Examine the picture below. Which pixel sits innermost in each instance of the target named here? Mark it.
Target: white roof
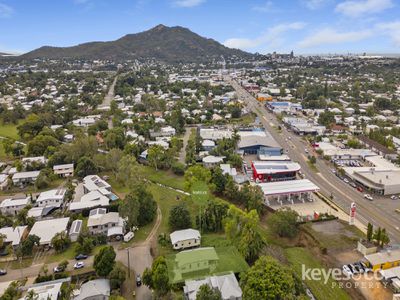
(89, 200)
(273, 167)
(213, 159)
(56, 194)
(62, 167)
(48, 290)
(13, 235)
(288, 187)
(102, 219)
(76, 227)
(183, 235)
(94, 182)
(23, 175)
(47, 229)
(93, 288)
(15, 202)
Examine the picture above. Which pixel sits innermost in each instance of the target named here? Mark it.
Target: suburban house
(93, 199)
(98, 289)
(64, 170)
(212, 161)
(48, 290)
(199, 259)
(13, 206)
(109, 224)
(12, 235)
(22, 178)
(3, 181)
(227, 285)
(47, 229)
(187, 238)
(51, 198)
(75, 230)
(40, 160)
(93, 183)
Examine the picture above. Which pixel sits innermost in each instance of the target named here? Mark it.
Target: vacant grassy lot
(301, 256)
(9, 130)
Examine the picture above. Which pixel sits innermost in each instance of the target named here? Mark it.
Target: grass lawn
(167, 178)
(9, 130)
(59, 257)
(299, 256)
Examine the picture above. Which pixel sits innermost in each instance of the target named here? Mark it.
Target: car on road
(333, 171)
(353, 185)
(138, 280)
(79, 265)
(289, 137)
(360, 189)
(394, 197)
(3, 272)
(368, 197)
(306, 151)
(81, 256)
(346, 180)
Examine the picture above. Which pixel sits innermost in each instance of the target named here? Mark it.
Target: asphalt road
(330, 184)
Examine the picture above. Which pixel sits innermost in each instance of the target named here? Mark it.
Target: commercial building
(252, 141)
(47, 229)
(278, 107)
(186, 238)
(267, 171)
(288, 191)
(379, 181)
(383, 260)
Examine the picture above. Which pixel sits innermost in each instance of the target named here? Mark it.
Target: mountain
(167, 44)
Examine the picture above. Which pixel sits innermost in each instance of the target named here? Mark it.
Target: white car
(346, 180)
(347, 271)
(305, 150)
(368, 197)
(394, 197)
(79, 265)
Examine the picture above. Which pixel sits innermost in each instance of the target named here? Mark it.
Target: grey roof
(90, 289)
(183, 235)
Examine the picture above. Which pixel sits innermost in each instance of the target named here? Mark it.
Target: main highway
(330, 185)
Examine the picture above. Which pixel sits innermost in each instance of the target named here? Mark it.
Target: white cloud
(272, 38)
(392, 29)
(331, 36)
(188, 3)
(357, 8)
(265, 7)
(314, 4)
(5, 11)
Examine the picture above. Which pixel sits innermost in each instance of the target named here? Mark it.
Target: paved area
(343, 194)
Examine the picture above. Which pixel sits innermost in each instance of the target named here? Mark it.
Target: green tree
(196, 173)
(268, 280)
(117, 277)
(205, 292)
(157, 278)
(28, 244)
(370, 231)
(104, 261)
(61, 241)
(284, 222)
(326, 119)
(179, 217)
(85, 167)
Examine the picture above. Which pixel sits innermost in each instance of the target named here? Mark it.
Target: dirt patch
(372, 289)
(333, 227)
(346, 257)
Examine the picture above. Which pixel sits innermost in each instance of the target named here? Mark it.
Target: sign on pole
(352, 213)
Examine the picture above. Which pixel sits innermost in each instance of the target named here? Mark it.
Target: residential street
(343, 194)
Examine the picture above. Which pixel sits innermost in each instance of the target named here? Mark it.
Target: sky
(264, 26)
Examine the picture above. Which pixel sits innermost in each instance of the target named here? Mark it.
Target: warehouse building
(267, 171)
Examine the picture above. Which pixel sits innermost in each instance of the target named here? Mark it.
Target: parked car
(360, 267)
(347, 271)
(3, 272)
(368, 197)
(306, 151)
(360, 189)
(138, 280)
(58, 269)
(353, 269)
(394, 197)
(81, 256)
(346, 180)
(367, 269)
(353, 185)
(79, 265)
